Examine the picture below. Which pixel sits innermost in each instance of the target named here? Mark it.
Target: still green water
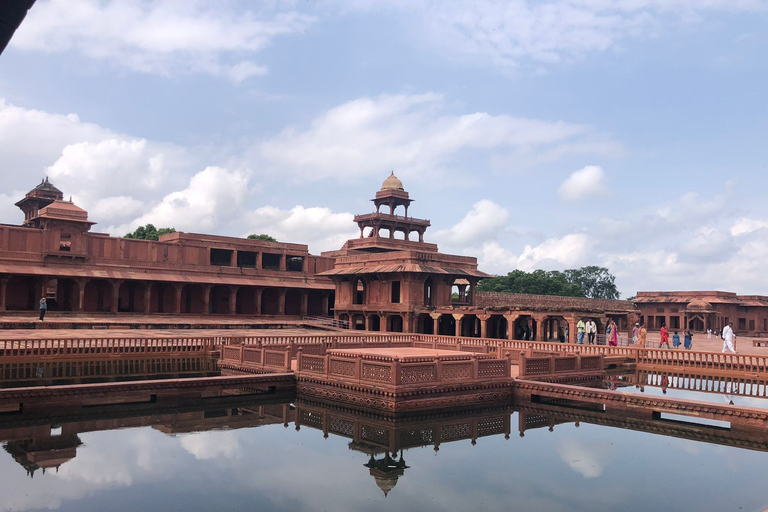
(248, 464)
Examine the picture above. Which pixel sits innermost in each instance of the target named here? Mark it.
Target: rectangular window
(765, 325)
(674, 322)
(751, 325)
(65, 242)
(221, 257)
(674, 310)
(270, 261)
(294, 264)
(395, 292)
(246, 259)
(659, 310)
(742, 324)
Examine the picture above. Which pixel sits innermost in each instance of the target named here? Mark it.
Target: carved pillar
(283, 260)
(3, 292)
(435, 323)
(457, 320)
(281, 301)
(178, 288)
(326, 299)
(539, 327)
(115, 295)
(484, 325)
(304, 302)
(207, 299)
(511, 319)
(147, 297)
(81, 293)
(233, 299)
(257, 299)
(259, 260)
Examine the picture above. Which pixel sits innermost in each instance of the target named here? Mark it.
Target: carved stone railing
(255, 358)
(668, 359)
(539, 365)
(101, 347)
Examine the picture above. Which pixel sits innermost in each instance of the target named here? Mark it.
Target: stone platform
(399, 379)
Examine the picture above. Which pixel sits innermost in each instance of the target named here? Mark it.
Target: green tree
(539, 282)
(596, 282)
(149, 232)
(262, 237)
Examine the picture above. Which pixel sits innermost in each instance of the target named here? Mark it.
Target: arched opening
(497, 327)
(374, 323)
(395, 323)
(358, 322)
(470, 326)
(21, 294)
(162, 298)
(358, 291)
(696, 323)
(219, 300)
(192, 300)
(315, 303)
(446, 325)
(269, 301)
(425, 324)
(460, 291)
(293, 302)
(130, 296)
(400, 234)
(429, 291)
(98, 296)
(525, 328)
(246, 301)
(67, 294)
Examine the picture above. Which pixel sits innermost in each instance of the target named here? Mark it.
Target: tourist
(580, 330)
(43, 308)
(635, 332)
(664, 379)
(527, 335)
(642, 334)
(709, 333)
(613, 340)
(664, 336)
(688, 341)
(591, 330)
(567, 334)
(676, 340)
(729, 338)
(607, 334)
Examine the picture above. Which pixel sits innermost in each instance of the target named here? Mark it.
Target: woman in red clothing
(664, 336)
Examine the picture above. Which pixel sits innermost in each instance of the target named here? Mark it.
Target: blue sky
(629, 134)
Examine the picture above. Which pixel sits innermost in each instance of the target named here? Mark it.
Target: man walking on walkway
(43, 308)
(591, 330)
(729, 338)
(580, 328)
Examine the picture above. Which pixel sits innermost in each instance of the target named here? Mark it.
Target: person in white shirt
(728, 338)
(591, 329)
(709, 333)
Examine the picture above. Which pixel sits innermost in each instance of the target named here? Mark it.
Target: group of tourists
(687, 338)
(588, 327)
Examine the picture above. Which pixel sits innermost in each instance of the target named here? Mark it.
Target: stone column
(304, 302)
(484, 325)
(115, 295)
(178, 288)
(283, 260)
(511, 319)
(207, 299)
(257, 299)
(81, 293)
(457, 320)
(326, 299)
(232, 299)
(259, 259)
(281, 301)
(3, 292)
(435, 322)
(539, 327)
(148, 298)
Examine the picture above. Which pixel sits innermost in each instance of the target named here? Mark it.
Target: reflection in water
(236, 451)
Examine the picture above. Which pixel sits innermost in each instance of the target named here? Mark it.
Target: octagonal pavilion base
(401, 379)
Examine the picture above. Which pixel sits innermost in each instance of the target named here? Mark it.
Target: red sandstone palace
(387, 279)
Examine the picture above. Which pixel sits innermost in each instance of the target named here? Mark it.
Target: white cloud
(213, 444)
(512, 34)
(481, 223)
(213, 196)
(744, 226)
(164, 36)
(587, 459)
(408, 133)
(569, 251)
(584, 184)
(319, 228)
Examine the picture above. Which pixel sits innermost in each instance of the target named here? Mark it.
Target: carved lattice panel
(565, 364)
(454, 432)
(345, 368)
(537, 366)
(491, 426)
(312, 419)
(276, 411)
(457, 371)
(377, 372)
(375, 435)
(341, 427)
(487, 369)
(420, 373)
(313, 364)
(536, 421)
(252, 356)
(274, 359)
(418, 437)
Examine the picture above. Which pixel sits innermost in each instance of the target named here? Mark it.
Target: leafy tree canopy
(592, 281)
(539, 282)
(262, 237)
(149, 232)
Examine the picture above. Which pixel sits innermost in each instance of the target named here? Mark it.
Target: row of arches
(22, 293)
